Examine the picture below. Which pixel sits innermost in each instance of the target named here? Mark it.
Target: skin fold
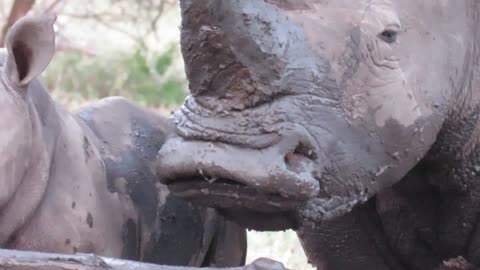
(84, 181)
(353, 122)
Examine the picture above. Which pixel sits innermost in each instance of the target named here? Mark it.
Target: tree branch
(19, 9)
(26, 260)
(71, 48)
(55, 7)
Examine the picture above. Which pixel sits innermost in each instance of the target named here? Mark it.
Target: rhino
(355, 123)
(84, 181)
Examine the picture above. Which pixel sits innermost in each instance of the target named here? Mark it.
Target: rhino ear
(30, 44)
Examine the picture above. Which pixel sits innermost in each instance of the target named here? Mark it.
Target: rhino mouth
(230, 194)
(272, 182)
(247, 206)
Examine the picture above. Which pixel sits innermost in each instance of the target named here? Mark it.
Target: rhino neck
(451, 169)
(352, 241)
(18, 210)
(466, 94)
(460, 132)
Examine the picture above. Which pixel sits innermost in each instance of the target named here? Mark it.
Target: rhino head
(301, 110)
(30, 45)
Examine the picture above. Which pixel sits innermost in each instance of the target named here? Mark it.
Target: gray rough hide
(84, 181)
(353, 122)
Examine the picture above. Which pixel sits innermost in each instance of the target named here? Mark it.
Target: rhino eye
(389, 36)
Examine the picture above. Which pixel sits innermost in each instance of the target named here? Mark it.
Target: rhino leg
(229, 245)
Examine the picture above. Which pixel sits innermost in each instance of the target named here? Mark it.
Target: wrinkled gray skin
(84, 181)
(353, 122)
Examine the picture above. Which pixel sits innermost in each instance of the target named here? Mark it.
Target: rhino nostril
(295, 159)
(305, 150)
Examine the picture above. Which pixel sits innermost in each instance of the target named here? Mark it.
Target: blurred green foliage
(142, 75)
